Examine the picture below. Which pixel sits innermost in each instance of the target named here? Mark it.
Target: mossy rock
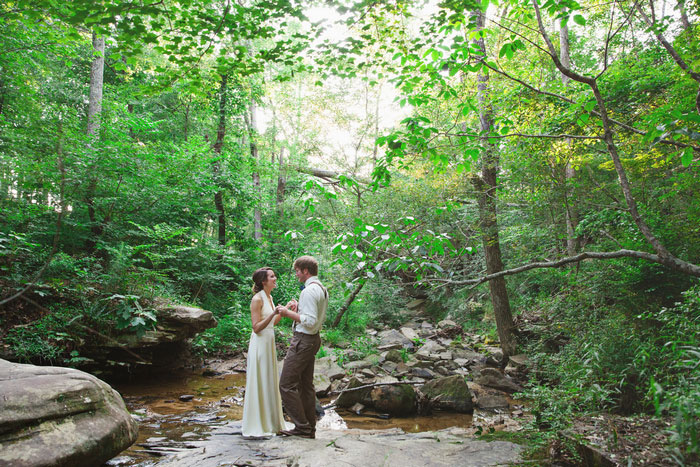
(450, 393)
(348, 399)
(398, 400)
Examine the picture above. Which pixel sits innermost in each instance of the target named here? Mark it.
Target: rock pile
(420, 366)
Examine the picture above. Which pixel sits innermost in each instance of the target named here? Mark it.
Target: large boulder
(399, 400)
(449, 393)
(53, 416)
(489, 398)
(493, 378)
(163, 348)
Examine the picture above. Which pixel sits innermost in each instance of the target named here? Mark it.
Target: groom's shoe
(295, 432)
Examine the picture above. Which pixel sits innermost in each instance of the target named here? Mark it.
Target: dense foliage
(237, 135)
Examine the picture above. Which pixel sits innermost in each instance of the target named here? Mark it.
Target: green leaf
(687, 157)
(578, 19)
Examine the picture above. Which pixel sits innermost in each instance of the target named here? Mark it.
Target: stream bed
(176, 412)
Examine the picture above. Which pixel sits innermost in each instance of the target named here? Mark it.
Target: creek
(176, 412)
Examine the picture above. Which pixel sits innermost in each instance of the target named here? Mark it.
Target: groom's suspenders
(325, 294)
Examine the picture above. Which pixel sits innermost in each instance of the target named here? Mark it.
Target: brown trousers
(297, 381)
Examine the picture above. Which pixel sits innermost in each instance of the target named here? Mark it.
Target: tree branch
(559, 263)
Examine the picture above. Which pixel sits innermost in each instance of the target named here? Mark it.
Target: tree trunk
(187, 119)
(684, 15)
(571, 214)
(252, 134)
(220, 135)
(564, 50)
(96, 84)
(487, 186)
(93, 129)
(2, 97)
(281, 185)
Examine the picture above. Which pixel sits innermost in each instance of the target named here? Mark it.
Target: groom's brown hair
(307, 262)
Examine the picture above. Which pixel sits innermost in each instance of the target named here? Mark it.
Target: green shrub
(232, 332)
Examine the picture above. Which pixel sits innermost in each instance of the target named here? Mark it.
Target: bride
(262, 406)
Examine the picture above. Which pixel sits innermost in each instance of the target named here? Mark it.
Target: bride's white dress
(262, 406)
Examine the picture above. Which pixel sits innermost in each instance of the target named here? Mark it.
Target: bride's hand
(292, 305)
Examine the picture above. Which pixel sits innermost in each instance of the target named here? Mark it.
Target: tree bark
(684, 15)
(281, 184)
(216, 166)
(94, 122)
(487, 192)
(252, 134)
(96, 85)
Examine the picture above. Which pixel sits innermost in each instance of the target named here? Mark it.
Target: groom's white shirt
(313, 303)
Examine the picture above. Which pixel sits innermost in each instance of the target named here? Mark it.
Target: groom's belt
(305, 333)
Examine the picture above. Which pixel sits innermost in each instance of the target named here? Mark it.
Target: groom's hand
(292, 305)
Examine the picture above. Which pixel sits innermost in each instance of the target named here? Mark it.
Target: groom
(296, 381)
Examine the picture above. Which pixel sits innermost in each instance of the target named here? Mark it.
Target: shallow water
(168, 424)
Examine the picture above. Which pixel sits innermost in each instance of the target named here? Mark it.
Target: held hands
(285, 310)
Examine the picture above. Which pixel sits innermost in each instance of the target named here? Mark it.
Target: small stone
(410, 333)
(394, 356)
(186, 397)
(446, 323)
(357, 408)
(423, 373)
(367, 373)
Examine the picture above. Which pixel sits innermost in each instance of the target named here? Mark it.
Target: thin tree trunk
(348, 302)
(187, 118)
(684, 15)
(487, 189)
(252, 134)
(281, 184)
(93, 129)
(2, 97)
(220, 135)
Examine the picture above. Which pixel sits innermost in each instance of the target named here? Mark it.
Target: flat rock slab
(450, 447)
